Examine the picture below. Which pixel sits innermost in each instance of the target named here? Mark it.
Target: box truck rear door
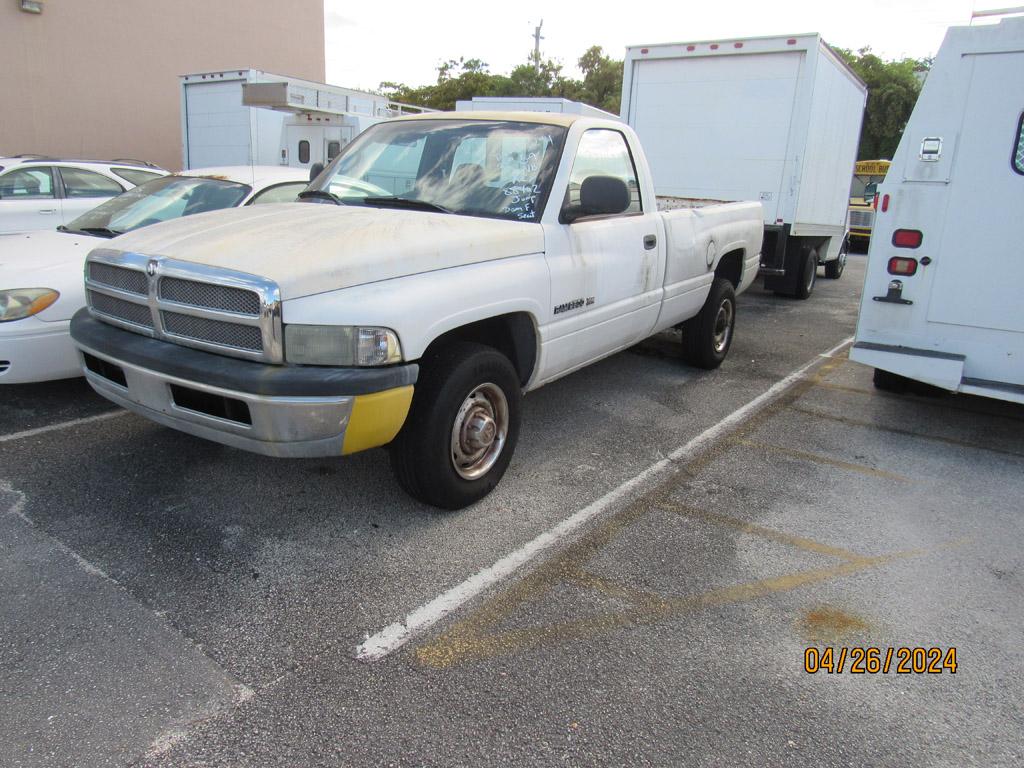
(979, 257)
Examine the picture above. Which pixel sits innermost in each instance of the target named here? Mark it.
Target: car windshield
(168, 197)
(500, 169)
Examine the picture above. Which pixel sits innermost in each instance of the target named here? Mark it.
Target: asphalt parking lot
(640, 590)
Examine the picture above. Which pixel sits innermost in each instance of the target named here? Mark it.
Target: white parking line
(62, 425)
(394, 636)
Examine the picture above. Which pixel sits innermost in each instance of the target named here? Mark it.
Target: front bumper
(32, 350)
(275, 410)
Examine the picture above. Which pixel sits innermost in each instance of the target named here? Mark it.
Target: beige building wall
(99, 78)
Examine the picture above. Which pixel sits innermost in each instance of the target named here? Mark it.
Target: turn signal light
(907, 238)
(901, 265)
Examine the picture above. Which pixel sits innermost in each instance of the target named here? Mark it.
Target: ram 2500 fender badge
(574, 304)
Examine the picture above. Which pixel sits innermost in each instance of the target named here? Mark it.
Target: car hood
(48, 259)
(309, 248)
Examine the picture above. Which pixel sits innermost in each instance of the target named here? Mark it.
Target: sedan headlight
(340, 345)
(18, 303)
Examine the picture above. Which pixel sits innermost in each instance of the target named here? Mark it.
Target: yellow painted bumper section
(376, 419)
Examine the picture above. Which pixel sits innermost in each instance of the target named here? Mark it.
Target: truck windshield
(499, 169)
(168, 197)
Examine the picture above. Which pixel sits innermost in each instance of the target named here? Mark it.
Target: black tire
(834, 269)
(423, 454)
(887, 381)
(808, 274)
(704, 344)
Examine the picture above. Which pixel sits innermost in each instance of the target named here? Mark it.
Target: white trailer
(772, 119)
(941, 301)
(531, 104)
(251, 117)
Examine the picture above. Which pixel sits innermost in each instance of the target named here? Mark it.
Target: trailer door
(718, 127)
(216, 125)
(979, 258)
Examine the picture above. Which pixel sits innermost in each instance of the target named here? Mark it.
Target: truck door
(606, 271)
(979, 256)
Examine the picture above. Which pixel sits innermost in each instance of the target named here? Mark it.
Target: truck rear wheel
(462, 427)
(834, 269)
(708, 336)
(808, 274)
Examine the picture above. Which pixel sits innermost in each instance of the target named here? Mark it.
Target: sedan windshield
(169, 197)
(494, 168)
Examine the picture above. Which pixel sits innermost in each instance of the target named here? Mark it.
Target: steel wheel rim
(723, 326)
(812, 274)
(480, 431)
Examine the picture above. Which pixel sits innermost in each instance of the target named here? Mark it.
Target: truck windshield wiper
(97, 231)
(405, 202)
(320, 194)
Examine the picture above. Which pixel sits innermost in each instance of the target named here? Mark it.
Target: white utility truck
(251, 117)
(774, 119)
(941, 301)
(530, 104)
(454, 261)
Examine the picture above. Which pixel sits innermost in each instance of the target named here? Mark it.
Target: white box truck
(252, 117)
(941, 301)
(772, 119)
(554, 104)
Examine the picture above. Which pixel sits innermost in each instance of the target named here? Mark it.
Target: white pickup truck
(454, 262)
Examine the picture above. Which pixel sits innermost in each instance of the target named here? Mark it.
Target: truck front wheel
(708, 336)
(462, 427)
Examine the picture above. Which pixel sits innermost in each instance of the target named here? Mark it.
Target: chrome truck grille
(862, 219)
(218, 310)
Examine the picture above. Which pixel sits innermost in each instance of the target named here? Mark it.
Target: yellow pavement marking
(744, 526)
(820, 459)
(905, 432)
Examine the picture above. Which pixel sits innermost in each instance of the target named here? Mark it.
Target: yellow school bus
(867, 175)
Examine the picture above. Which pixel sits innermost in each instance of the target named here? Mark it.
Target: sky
(400, 41)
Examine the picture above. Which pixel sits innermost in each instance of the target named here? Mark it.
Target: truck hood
(309, 248)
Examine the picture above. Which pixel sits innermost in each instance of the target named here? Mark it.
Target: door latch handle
(650, 241)
(47, 210)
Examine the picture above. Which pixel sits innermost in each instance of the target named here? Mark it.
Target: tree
(602, 79)
(893, 87)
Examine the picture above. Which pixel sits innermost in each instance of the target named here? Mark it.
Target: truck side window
(1018, 150)
(603, 152)
(303, 151)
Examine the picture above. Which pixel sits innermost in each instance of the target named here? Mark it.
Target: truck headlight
(341, 345)
(18, 303)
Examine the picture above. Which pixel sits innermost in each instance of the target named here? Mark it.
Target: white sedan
(41, 284)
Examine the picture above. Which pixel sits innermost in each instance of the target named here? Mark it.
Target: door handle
(47, 210)
(650, 241)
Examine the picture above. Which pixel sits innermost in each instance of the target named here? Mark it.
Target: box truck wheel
(708, 336)
(808, 273)
(834, 269)
(887, 381)
(462, 427)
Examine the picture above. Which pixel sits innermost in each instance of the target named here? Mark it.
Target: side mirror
(315, 170)
(599, 196)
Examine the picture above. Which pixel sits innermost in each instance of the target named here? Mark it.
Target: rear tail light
(907, 238)
(902, 265)
(885, 203)
(874, 203)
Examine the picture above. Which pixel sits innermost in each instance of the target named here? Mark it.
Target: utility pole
(536, 44)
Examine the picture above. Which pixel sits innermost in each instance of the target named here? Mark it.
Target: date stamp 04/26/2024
(861, 660)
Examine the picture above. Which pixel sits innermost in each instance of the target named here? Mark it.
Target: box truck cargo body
(772, 119)
(941, 301)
